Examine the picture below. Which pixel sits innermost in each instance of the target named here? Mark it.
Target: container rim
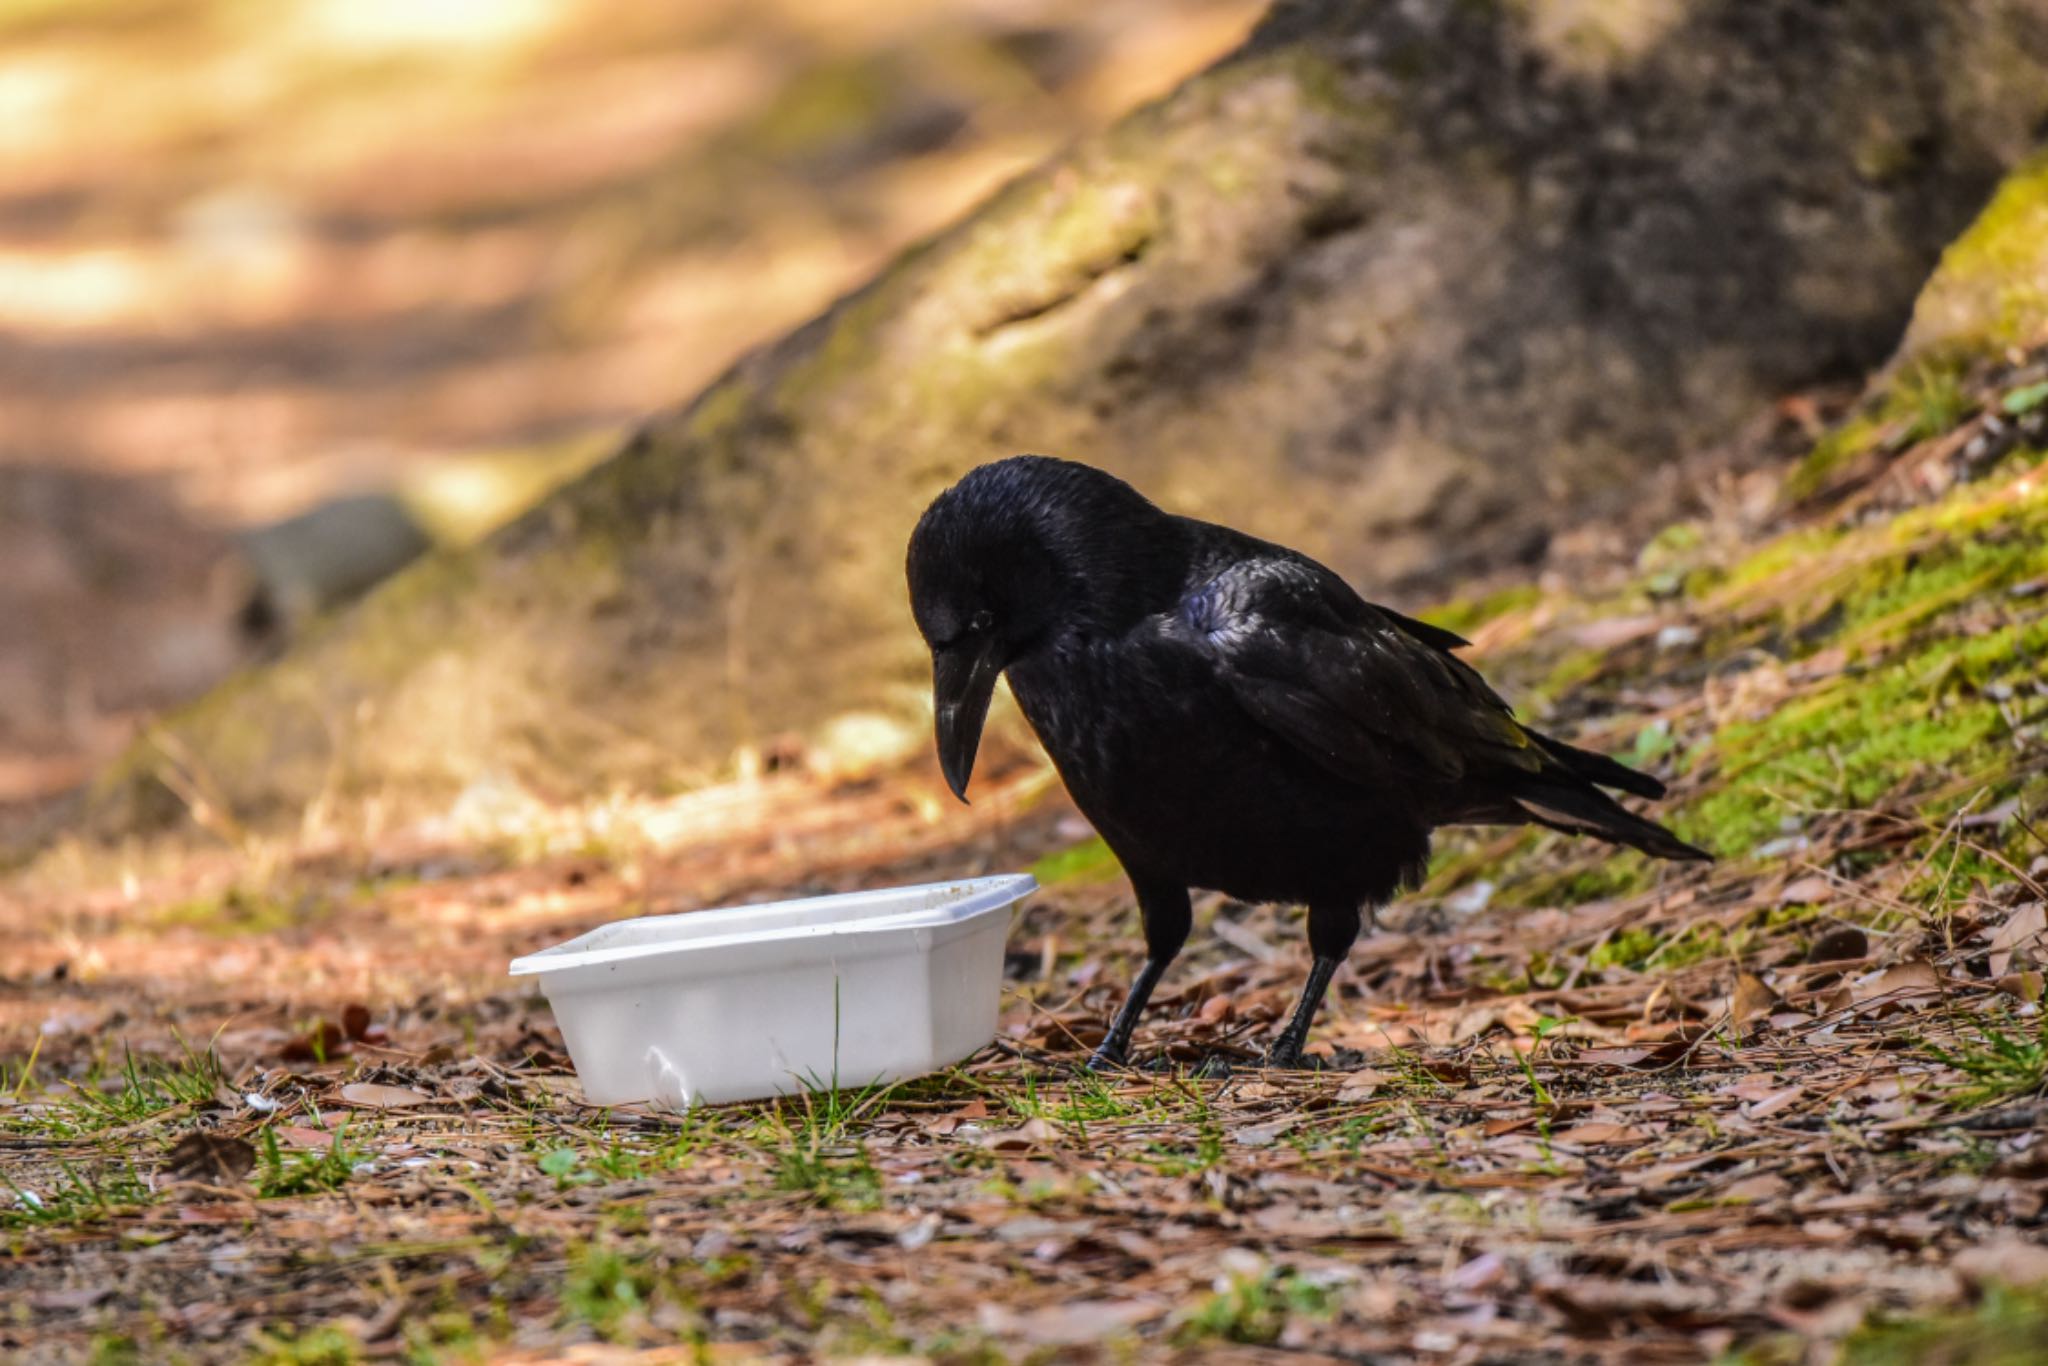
(977, 896)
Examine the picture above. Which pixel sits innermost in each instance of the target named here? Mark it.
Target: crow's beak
(963, 680)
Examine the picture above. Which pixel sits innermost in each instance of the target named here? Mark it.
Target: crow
(1228, 713)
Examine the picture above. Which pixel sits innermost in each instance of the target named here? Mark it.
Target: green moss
(833, 102)
(2007, 1327)
(1911, 718)
(1926, 399)
(1629, 949)
(1792, 913)
(849, 344)
(1228, 178)
(1460, 857)
(1466, 615)
(1255, 1309)
(1773, 559)
(240, 911)
(1929, 398)
(1918, 607)
(1321, 82)
(1906, 591)
(1873, 586)
(1695, 944)
(408, 617)
(1842, 447)
(1991, 288)
(1883, 157)
(1672, 543)
(1644, 949)
(1609, 874)
(1921, 720)
(1088, 861)
(1567, 672)
(1078, 230)
(716, 414)
(1671, 560)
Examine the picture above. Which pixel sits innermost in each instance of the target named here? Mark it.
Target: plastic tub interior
(754, 1001)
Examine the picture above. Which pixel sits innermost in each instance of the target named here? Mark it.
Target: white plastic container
(755, 1001)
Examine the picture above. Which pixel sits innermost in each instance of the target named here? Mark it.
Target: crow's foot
(1286, 1056)
(1107, 1059)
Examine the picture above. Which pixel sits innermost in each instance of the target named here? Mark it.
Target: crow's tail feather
(1598, 769)
(1580, 809)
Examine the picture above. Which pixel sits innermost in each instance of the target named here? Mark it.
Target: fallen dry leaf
(2008, 1261)
(374, 1096)
(1811, 890)
(1596, 1302)
(1900, 986)
(1450, 1071)
(2024, 932)
(1472, 1023)
(1752, 1002)
(1031, 1133)
(210, 1158)
(1482, 1272)
(1609, 632)
(1595, 1135)
(953, 1119)
(211, 1214)
(1774, 1102)
(1668, 1042)
(2027, 986)
(919, 1231)
(1263, 1135)
(1618, 1057)
(1066, 1325)
(1755, 1189)
(1752, 1086)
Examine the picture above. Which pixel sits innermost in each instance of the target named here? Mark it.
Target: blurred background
(290, 289)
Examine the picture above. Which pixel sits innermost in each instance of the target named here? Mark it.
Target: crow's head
(999, 561)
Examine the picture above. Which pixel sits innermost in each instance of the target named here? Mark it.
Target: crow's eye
(981, 620)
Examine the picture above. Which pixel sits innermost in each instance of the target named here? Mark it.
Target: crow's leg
(1332, 929)
(1167, 915)
(1114, 1050)
(1286, 1050)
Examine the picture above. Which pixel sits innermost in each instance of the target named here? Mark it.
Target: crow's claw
(1286, 1056)
(1107, 1059)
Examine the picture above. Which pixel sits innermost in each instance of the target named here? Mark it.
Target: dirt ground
(291, 1110)
(278, 1101)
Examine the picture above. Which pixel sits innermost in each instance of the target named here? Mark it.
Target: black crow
(1227, 712)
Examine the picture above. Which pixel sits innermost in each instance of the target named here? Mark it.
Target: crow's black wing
(1357, 688)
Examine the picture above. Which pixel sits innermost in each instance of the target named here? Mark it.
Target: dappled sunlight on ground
(440, 909)
(1568, 1104)
(252, 256)
(275, 1098)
